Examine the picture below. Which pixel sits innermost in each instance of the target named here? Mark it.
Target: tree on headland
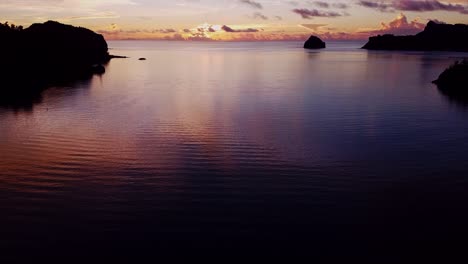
(6, 27)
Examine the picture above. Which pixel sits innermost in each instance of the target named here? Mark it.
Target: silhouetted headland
(453, 83)
(454, 79)
(314, 43)
(435, 37)
(48, 53)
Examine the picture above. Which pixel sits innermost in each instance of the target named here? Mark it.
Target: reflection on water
(458, 98)
(22, 101)
(237, 145)
(25, 98)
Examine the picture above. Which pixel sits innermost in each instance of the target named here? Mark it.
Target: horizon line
(215, 40)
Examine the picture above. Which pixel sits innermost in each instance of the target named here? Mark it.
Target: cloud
(175, 37)
(340, 5)
(398, 26)
(202, 32)
(252, 3)
(165, 30)
(313, 27)
(96, 15)
(380, 6)
(231, 30)
(37, 5)
(196, 37)
(206, 28)
(423, 6)
(414, 6)
(401, 25)
(310, 13)
(258, 15)
(322, 4)
(65, 11)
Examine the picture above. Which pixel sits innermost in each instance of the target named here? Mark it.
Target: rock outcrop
(435, 37)
(314, 43)
(47, 53)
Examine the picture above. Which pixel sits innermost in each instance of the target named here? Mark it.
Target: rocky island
(48, 53)
(314, 43)
(435, 37)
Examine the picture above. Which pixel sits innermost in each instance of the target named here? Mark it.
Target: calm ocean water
(242, 147)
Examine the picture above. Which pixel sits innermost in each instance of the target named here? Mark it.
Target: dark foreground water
(239, 148)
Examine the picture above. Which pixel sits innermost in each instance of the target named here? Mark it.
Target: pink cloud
(398, 26)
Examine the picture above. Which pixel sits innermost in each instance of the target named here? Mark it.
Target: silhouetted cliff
(314, 43)
(435, 37)
(48, 53)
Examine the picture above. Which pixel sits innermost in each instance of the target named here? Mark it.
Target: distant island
(47, 53)
(435, 37)
(314, 43)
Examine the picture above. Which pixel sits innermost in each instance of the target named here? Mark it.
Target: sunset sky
(237, 19)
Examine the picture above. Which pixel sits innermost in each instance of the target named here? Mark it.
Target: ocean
(240, 148)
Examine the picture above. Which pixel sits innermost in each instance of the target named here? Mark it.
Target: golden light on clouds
(230, 20)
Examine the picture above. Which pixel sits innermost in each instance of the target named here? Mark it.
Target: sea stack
(435, 37)
(314, 43)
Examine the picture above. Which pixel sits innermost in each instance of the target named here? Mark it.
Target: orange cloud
(209, 32)
(399, 26)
